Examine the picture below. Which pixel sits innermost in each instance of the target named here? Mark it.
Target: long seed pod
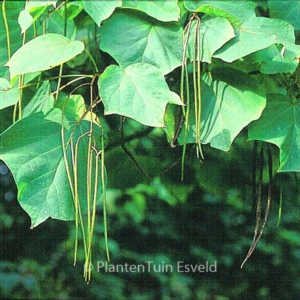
(259, 228)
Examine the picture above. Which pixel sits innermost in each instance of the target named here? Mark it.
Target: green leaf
(226, 110)
(274, 60)
(170, 119)
(43, 53)
(12, 9)
(256, 34)
(214, 33)
(32, 11)
(280, 125)
(235, 11)
(8, 96)
(139, 91)
(35, 157)
(56, 24)
(32, 5)
(165, 11)
(131, 38)
(41, 101)
(25, 20)
(73, 9)
(101, 9)
(286, 10)
(73, 105)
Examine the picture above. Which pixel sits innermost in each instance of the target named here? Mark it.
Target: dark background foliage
(206, 218)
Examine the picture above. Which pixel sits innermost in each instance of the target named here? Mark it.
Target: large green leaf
(256, 34)
(32, 149)
(43, 53)
(235, 11)
(286, 10)
(8, 96)
(165, 11)
(280, 125)
(101, 9)
(226, 110)
(275, 59)
(138, 91)
(131, 38)
(214, 33)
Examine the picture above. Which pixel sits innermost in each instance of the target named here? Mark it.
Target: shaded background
(207, 217)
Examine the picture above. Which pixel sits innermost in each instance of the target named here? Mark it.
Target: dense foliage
(137, 119)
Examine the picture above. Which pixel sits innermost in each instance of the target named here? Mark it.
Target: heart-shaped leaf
(131, 38)
(101, 9)
(280, 125)
(256, 34)
(139, 91)
(43, 53)
(34, 154)
(226, 110)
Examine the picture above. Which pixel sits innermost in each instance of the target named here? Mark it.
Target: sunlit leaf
(32, 11)
(31, 5)
(275, 59)
(256, 34)
(226, 110)
(8, 96)
(165, 11)
(132, 38)
(214, 33)
(235, 11)
(101, 9)
(280, 125)
(43, 53)
(139, 91)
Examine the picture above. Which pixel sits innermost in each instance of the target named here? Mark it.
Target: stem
(187, 114)
(184, 84)
(59, 81)
(66, 18)
(199, 99)
(67, 84)
(56, 77)
(104, 196)
(92, 60)
(6, 29)
(280, 207)
(96, 174)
